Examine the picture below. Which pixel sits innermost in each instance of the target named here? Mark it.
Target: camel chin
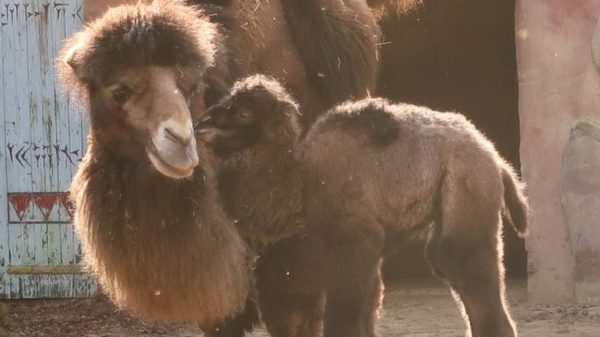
(169, 170)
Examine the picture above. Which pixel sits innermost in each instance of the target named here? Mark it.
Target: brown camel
(147, 211)
(372, 172)
(329, 60)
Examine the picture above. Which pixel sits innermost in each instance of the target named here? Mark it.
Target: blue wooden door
(41, 142)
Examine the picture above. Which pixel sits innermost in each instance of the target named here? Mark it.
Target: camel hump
(370, 117)
(337, 43)
(514, 200)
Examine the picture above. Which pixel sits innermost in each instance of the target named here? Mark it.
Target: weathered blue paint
(41, 142)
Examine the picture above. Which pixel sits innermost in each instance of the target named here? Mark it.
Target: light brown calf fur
(152, 229)
(372, 172)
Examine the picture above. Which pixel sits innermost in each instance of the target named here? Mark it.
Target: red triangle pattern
(20, 202)
(45, 201)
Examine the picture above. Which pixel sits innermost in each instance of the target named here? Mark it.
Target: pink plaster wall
(558, 86)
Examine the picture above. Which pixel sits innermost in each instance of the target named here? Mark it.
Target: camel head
(258, 110)
(141, 69)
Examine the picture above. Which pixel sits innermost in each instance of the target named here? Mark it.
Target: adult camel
(324, 51)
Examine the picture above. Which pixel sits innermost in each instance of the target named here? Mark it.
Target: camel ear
(72, 58)
(70, 55)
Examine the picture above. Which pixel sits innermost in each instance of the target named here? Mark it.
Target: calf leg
(354, 287)
(465, 250)
(291, 287)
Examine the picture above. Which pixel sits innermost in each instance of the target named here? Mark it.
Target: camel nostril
(174, 136)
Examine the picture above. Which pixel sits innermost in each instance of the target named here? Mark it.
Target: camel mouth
(172, 149)
(173, 160)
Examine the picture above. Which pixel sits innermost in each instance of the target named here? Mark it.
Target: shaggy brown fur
(335, 40)
(161, 248)
(260, 185)
(325, 51)
(257, 173)
(373, 170)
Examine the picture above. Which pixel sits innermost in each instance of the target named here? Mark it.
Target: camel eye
(245, 116)
(189, 90)
(121, 94)
(194, 87)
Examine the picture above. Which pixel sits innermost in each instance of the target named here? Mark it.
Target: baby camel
(371, 172)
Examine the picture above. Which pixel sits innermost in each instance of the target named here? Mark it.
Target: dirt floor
(414, 309)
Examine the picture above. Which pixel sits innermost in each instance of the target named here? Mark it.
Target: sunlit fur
(256, 181)
(161, 248)
(373, 171)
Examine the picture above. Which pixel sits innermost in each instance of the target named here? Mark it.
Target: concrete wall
(559, 93)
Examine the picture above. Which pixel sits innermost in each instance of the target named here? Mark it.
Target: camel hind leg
(465, 249)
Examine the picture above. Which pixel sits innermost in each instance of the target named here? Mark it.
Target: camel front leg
(237, 325)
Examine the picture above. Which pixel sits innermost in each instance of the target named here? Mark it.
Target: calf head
(257, 112)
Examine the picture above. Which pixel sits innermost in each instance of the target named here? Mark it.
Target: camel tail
(515, 202)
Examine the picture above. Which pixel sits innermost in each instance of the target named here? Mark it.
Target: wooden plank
(43, 124)
(56, 232)
(15, 233)
(54, 244)
(37, 59)
(38, 269)
(10, 106)
(19, 135)
(4, 249)
(78, 122)
(71, 138)
(59, 286)
(50, 96)
(32, 286)
(84, 286)
(28, 241)
(34, 94)
(19, 173)
(64, 172)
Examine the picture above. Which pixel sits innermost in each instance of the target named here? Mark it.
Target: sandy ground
(414, 309)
